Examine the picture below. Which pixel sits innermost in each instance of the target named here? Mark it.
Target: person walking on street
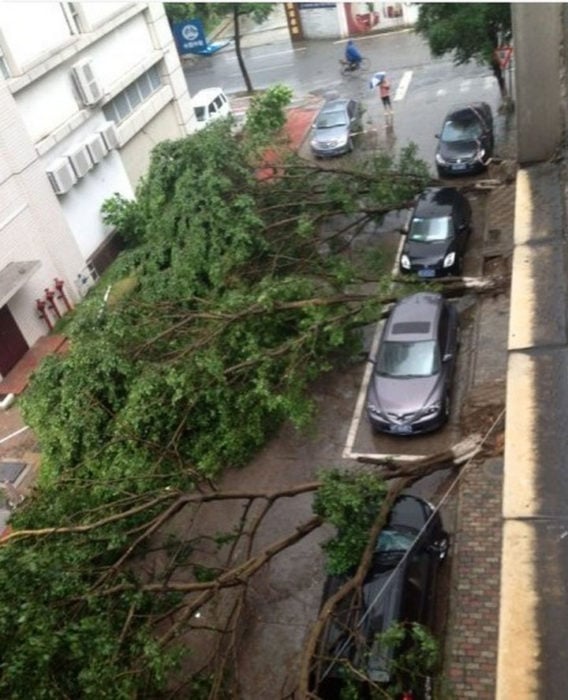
(384, 92)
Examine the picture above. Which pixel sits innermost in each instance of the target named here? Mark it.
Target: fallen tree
(221, 313)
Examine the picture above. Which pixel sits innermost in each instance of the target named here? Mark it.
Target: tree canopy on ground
(467, 31)
(234, 294)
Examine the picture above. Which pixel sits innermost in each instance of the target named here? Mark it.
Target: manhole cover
(10, 471)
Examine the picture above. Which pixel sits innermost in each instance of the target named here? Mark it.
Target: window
(128, 100)
(72, 17)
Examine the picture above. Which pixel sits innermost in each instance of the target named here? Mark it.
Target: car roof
(205, 96)
(330, 105)
(436, 201)
(414, 318)
(464, 111)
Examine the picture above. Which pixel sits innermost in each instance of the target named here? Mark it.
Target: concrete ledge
(518, 648)
(536, 439)
(538, 286)
(532, 652)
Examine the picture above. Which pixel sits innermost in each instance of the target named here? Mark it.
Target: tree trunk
(242, 66)
(498, 73)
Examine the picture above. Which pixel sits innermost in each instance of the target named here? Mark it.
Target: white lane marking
(374, 36)
(359, 405)
(232, 59)
(262, 70)
(465, 85)
(441, 92)
(9, 437)
(403, 86)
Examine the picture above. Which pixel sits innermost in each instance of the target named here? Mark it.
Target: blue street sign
(190, 36)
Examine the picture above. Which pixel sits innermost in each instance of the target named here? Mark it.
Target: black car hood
(428, 253)
(458, 149)
(405, 396)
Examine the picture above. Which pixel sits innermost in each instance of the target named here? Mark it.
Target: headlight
(434, 408)
(439, 159)
(341, 141)
(405, 262)
(314, 143)
(449, 260)
(375, 410)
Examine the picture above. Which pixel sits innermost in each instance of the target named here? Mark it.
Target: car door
(353, 114)
(462, 217)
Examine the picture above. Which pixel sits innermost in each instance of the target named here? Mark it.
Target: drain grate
(10, 471)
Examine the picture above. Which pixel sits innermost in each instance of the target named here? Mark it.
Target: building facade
(86, 91)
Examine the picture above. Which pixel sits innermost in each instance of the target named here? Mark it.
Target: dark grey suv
(400, 587)
(409, 389)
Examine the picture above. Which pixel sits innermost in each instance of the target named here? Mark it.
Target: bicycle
(349, 68)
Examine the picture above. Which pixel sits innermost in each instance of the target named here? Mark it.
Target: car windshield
(408, 359)
(429, 230)
(328, 120)
(394, 541)
(462, 130)
(199, 113)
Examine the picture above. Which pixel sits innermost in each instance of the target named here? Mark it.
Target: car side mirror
(447, 357)
(404, 230)
(436, 136)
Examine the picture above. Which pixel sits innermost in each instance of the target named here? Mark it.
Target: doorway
(13, 345)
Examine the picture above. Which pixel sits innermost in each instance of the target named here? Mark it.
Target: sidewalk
(473, 624)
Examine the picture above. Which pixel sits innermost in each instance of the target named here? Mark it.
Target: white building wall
(42, 118)
(95, 13)
(32, 225)
(33, 29)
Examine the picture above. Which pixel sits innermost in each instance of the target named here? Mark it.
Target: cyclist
(352, 55)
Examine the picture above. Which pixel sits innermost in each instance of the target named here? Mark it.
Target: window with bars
(128, 100)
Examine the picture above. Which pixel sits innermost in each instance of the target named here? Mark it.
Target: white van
(209, 104)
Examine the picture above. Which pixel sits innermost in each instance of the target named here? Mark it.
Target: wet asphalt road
(433, 85)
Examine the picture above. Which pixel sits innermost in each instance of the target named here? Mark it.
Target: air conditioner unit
(80, 160)
(61, 175)
(109, 134)
(97, 147)
(86, 83)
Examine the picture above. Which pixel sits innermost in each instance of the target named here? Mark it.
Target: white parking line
(361, 398)
(403, 86)
(9, 437)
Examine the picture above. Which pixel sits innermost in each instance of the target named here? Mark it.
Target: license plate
(401, 429)
(426, 273)
(459, 166)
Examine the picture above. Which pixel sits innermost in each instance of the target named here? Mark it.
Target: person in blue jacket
(352, 55)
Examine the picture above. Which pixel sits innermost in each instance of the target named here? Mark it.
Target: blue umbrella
(377, 79)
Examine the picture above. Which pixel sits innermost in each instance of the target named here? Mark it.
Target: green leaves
(350, 502)
(231, 298)
(467, 30)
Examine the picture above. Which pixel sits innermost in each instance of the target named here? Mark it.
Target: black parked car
(409, 389)
(437, 234)
(399, 587)
(466, 141)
